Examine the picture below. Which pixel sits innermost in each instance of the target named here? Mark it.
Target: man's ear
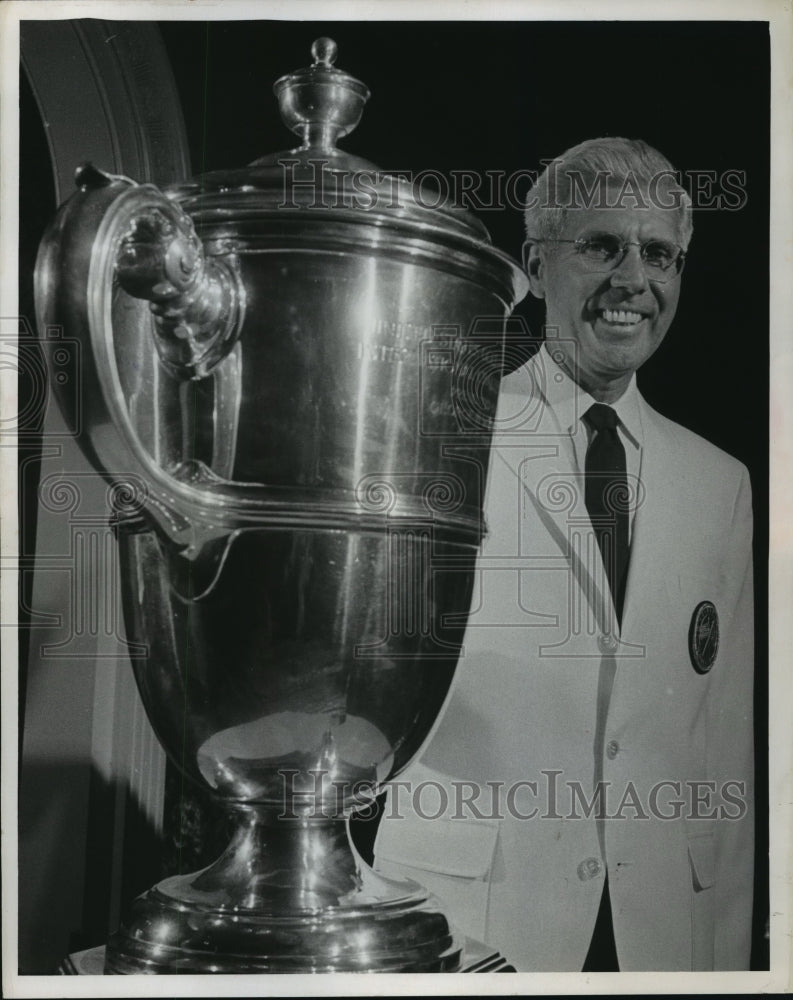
(534, 265)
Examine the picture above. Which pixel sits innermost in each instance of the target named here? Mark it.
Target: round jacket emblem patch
(703, 636)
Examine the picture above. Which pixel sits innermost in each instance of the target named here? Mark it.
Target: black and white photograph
(396, 438)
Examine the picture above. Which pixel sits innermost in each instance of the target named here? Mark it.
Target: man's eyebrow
(651, 238)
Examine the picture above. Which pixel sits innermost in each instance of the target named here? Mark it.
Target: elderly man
(586, 799)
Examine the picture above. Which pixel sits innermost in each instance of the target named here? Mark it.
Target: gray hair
(578, 179)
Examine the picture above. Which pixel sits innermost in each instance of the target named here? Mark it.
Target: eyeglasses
(603, 252)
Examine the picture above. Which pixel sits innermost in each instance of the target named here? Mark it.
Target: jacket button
(588, 869)
(612, 749)
(607, 643)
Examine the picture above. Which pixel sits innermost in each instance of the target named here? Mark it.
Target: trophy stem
(287, 895)
(287, 862)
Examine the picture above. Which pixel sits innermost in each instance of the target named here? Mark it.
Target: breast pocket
(452, 858)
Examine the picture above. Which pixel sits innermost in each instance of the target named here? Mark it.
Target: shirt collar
(570, 402)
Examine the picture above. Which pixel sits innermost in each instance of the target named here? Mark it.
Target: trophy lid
(335, 189)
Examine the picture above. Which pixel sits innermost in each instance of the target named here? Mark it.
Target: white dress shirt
(569, 402)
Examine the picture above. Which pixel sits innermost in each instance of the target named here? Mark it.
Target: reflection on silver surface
(280, 650)
(300, 562)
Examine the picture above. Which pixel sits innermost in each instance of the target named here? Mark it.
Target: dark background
(501, 96)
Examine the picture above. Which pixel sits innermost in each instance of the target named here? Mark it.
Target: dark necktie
(606, 496)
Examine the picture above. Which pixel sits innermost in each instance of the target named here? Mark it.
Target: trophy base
(399, 935)
(285, 899)
(477, 958)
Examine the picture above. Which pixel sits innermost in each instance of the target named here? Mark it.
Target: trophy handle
(197, 302)
(113, 238)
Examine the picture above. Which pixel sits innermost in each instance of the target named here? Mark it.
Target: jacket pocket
(462, 847)
(450, 857)
(701, 856)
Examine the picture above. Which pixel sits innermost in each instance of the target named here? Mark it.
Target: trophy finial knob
(321, 103)
(324, 52)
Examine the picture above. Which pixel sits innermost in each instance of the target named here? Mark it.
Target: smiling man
(586, 800)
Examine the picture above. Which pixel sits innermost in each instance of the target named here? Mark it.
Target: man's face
(616, 319)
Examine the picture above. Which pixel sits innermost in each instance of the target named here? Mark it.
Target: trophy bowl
(290, 377)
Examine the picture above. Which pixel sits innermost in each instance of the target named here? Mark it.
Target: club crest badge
(703, 636)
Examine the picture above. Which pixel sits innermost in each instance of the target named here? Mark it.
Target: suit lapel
(655, 515)
(537, 452)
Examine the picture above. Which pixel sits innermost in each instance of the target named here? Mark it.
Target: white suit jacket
(551, 697)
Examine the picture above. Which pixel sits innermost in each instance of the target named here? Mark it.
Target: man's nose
(630, 273)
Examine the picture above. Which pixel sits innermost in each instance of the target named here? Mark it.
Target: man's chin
(615, 362)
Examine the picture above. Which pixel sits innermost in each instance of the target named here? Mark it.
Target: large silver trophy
(289, 375)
